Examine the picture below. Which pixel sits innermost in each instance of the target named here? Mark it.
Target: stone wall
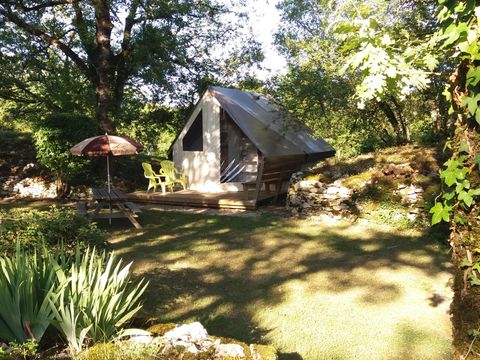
(306, 197)
(336, 200)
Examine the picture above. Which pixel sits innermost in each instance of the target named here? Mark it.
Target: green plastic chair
(154, 179)
(172, 175)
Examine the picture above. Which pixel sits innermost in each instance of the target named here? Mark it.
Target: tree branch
(47, 4)
(48, 39)
(122, 59)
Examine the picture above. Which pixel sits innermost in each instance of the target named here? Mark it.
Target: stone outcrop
(338, 201)
(193, 339)
(306, 197)
(36, 188)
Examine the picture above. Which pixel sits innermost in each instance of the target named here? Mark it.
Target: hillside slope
(396, 186)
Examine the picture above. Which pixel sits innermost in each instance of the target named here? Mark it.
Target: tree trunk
(401, 120)
(436, 120)
(103, 65)
(108, 74)
(392, 119)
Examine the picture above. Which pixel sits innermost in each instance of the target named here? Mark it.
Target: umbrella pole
(108, 182)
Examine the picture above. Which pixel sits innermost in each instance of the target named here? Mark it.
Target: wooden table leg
(96, 211)
(129, 216)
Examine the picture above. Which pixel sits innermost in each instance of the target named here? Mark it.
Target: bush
(53, 139)
(59, 229)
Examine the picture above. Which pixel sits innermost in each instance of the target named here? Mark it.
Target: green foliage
(95, 299)
(473, 269)
(54, 137)
(459, 33)
(372, 54)
(457, 189)
(58, 229)
(88, 297)
(390, 63)
(26, 281)
(153, 126)
(26, 350)
(157, 52)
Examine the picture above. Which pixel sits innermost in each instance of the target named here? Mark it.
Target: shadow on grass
(219, 269)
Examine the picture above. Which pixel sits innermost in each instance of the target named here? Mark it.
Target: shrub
(95, 300)
(26, 350)
(53, 139)
(59, 229)
(26, 282)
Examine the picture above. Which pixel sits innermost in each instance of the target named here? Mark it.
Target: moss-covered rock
(161, 329)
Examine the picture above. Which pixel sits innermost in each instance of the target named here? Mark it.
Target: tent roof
(271, 130)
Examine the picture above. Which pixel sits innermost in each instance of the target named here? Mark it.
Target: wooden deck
(223, 200)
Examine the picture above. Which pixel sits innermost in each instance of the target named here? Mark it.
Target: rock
(411, 216)
(185, 346)
(229, 351)
(306, 184)
(4, 347)
(194, 332)
(35, 188)
(332, 190)
(398, 170)
(192, 338)
(141, 339)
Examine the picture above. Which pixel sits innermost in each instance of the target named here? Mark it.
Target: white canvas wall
(203, 167)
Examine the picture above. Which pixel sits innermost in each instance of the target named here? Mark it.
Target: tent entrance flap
(238, 155)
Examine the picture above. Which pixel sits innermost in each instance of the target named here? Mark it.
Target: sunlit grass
(315, 291)
(312, 290)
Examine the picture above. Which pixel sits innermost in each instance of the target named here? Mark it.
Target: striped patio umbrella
(107, 145)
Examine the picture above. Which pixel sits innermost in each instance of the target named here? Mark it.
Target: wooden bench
(81, 207)
(133, 207)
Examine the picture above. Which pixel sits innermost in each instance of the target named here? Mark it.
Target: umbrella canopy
(104, 145)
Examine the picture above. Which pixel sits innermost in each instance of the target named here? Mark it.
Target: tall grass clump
(96, 298)
(26, 284)
(88, 297)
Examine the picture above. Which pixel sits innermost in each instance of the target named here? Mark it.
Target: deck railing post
(258, 187)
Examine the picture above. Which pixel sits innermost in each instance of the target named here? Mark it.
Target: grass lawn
(315, 291)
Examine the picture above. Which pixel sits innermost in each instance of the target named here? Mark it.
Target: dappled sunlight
(312, 289)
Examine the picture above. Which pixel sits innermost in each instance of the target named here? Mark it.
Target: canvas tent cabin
(235, 139)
